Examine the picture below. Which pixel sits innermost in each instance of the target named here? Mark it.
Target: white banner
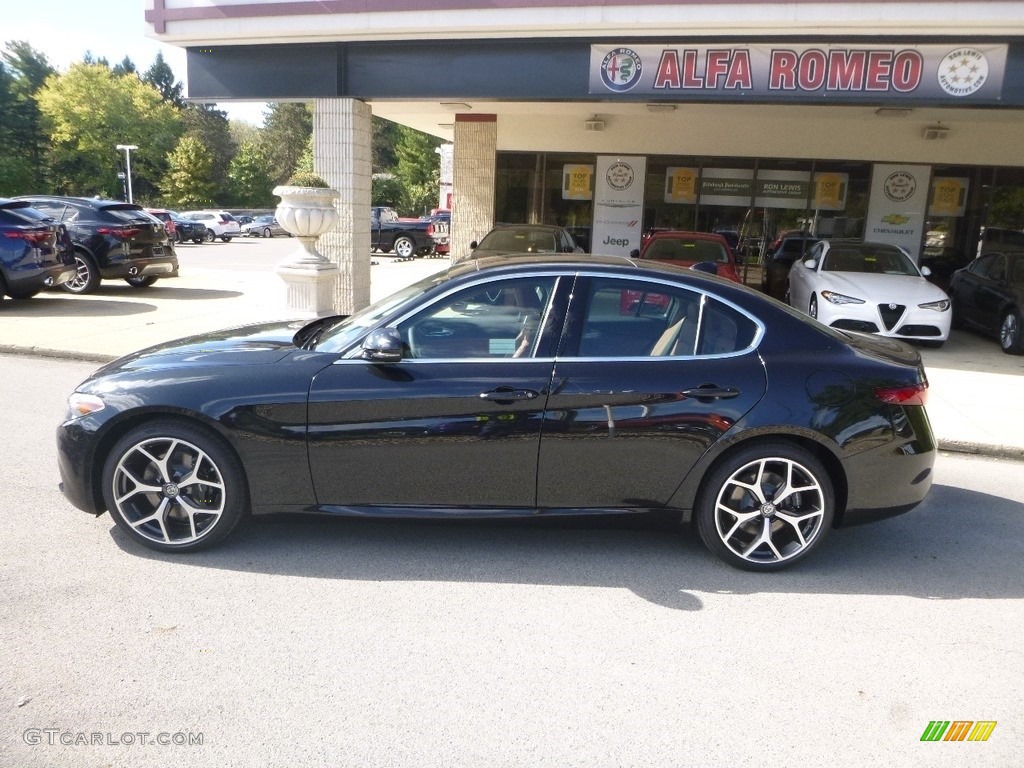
(618, 204)
(899, 198)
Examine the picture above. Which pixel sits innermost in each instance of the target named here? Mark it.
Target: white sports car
(871, 288)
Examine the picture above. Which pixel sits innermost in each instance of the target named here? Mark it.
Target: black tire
(225, 239)
(267, 232)
(210, 236)
(1011, 332)
(794, 524)
(140, 281)
(23, 295)
(87, 276)
(812, 308)
(404, 247)
(218, 495)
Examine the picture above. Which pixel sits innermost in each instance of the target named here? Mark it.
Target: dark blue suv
(35, 251)
(111, 240)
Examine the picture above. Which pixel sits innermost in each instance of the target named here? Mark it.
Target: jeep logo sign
(618, 204)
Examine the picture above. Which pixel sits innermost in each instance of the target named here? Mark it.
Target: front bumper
(894, 321)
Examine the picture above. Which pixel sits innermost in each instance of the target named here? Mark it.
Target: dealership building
(891, 121)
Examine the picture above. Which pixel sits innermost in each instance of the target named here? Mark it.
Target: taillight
(34, 237)
(913, 394)
(430, 230)
(121, 233)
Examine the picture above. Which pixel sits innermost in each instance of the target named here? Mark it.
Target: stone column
(475, 160)
(342, 156)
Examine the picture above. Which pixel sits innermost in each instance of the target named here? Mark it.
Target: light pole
(128, 166)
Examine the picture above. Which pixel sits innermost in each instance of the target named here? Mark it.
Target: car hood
(259, 344)
(882, 289)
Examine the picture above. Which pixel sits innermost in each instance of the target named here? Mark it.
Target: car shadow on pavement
(72, 307)
(169, 292)
(958, 544)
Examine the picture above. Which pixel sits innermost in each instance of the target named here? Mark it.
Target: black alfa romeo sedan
(523, 386)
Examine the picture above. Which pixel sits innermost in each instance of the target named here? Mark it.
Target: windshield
(681, 249)
(341, 336)
(519, 240)
(878, 261)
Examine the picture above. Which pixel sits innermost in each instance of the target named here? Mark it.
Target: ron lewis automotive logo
(963, 71)
(621, 69)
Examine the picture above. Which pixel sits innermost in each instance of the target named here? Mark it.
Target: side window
(639, 319)
(815, 252)
(983, 264)
(498, 320)
(53, 210)
(998, 270)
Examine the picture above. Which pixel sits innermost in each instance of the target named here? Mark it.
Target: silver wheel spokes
(81, 277)
(769, 510)
(168, 490)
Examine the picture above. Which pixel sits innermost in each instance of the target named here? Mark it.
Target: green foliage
(384, 138)
(211, 127)
(188, 182)
(23, 140)
(418, 169)
(161, 76)
(286, 133)
(126, 67)
(387, 190)
(250, 177)
(88, 111)
(306, 179)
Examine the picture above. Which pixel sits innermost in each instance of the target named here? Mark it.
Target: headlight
(80, 405)
(938, 306)
(838, 298)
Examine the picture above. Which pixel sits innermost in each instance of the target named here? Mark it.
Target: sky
(65, 29)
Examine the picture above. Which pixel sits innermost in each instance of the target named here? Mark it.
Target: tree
(24, 140)
(161, 76)
(250, 177)
(189, 180)
(126, 67)
(210, 126)
(286, 131)
(383, 140)
(89, 111)
(417, 169)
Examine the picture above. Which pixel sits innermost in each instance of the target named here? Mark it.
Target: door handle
(508, 394)
(710, 392)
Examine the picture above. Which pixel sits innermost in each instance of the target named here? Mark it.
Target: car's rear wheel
(140, 281)
(174, 487)
(765, 507)
(87, 276)
(1010, 337)
(405, 248)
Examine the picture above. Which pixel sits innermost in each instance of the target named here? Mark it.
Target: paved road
(363, 643)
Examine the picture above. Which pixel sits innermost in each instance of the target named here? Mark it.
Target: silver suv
(218, 224)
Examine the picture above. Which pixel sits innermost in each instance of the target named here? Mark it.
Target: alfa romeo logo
(900, 186)
(621, 69)
(620, 175)
(963, 71)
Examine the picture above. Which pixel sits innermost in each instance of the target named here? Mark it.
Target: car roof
(680, 234)
(91, 202)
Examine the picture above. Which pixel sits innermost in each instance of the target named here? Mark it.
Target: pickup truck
(407, 237)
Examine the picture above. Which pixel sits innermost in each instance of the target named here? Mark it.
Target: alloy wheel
(85, 279)
(769, 511)
(168, 490)
(1009, 332)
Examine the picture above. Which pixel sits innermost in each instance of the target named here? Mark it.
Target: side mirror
(473, 245)
(383, 346)
(811, 264)
(635, 253)
(926, 272)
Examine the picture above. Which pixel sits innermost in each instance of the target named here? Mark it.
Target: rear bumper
(894, 478)
(161, 267)
(26, 281)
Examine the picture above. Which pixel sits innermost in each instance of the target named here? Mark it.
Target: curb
(981, 449)
(60, 354)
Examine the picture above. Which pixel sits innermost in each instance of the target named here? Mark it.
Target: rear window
(22, 215)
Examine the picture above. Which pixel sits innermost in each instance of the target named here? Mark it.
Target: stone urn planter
(307, 212)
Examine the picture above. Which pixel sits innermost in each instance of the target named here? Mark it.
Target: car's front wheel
(210, 236)
(267, 232)
(765, 507)
(174, 487)
(87, 276)
(1010, 336)
(405, 248)
(225, 239)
